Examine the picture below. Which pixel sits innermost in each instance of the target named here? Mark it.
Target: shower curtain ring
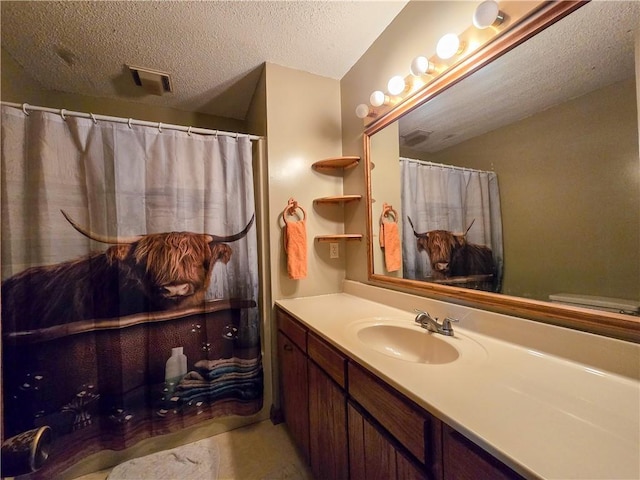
(160, 127)
(129, 123)
(93, 117)
(189, 131)
(62, 110)
(24, 109)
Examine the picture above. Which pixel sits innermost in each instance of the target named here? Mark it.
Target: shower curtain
(137, 331)
(443, 197)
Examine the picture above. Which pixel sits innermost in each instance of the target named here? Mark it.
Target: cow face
(439, 245)
(172, 268)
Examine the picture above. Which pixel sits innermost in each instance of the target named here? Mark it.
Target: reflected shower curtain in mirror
(450, 199)
(149, 327)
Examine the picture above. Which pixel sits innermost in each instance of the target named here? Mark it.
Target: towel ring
(388, 212)
(291, 209)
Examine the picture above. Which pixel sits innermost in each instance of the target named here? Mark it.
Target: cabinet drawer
(292, 329)
(402, 419)
(328, 358)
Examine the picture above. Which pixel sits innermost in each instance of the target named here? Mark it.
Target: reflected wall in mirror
(554, 123)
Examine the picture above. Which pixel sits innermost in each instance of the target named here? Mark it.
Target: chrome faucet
(431, 324)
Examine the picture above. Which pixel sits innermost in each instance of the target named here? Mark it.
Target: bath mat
(194, 461)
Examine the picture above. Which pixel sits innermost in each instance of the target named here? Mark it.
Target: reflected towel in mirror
(390, 238)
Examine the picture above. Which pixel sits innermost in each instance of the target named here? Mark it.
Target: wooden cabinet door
(372, 455)
(294, 393)
(464, 460)
(327, 427)
(402, 419)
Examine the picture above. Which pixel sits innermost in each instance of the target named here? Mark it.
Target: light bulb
(378, 98)
(396, 85)
(448, 46)
(362, 111)
(421, 66)
(487, 14)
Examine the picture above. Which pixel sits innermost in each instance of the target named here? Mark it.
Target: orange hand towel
(296, 247)
(390, 240)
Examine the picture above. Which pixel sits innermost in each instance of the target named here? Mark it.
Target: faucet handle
(446, 324)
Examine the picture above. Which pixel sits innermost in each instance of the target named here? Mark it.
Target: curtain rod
(129, 121)
(444, 165)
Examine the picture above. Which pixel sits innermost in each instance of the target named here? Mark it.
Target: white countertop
(543, 415)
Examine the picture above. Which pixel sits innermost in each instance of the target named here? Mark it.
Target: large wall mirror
(528, 150)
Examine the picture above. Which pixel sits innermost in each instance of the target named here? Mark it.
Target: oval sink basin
(409, 344)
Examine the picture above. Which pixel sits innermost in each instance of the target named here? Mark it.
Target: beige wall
(414, 31)
(15, 85)
(386, 176)
(303, 126)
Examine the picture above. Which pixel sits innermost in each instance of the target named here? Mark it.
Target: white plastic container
(176, 368)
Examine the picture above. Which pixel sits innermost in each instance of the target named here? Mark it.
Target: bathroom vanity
(368, 393)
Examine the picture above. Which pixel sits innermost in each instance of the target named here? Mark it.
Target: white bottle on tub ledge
(176, 368)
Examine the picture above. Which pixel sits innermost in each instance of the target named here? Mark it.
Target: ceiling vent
(415, 137)
(153, 81)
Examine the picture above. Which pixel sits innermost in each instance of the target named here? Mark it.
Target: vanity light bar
(487, 14)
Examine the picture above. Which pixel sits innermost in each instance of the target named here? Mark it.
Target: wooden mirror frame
(625, 327)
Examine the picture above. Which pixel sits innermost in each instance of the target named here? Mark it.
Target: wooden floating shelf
(336, 238)
(338, 199)
(336, 163)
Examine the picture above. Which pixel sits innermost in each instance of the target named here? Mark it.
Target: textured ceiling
(591, 48)
(213, 50)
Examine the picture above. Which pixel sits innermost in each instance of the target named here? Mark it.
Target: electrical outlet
(333, 250)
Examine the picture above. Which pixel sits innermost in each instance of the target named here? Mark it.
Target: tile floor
(261, 451)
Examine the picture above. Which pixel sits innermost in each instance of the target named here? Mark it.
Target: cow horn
(469, 227)
(418, 235)
(100, 238)
(234, 237)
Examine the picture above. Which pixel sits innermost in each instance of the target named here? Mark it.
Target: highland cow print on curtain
(452, 225)
(129, 282)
